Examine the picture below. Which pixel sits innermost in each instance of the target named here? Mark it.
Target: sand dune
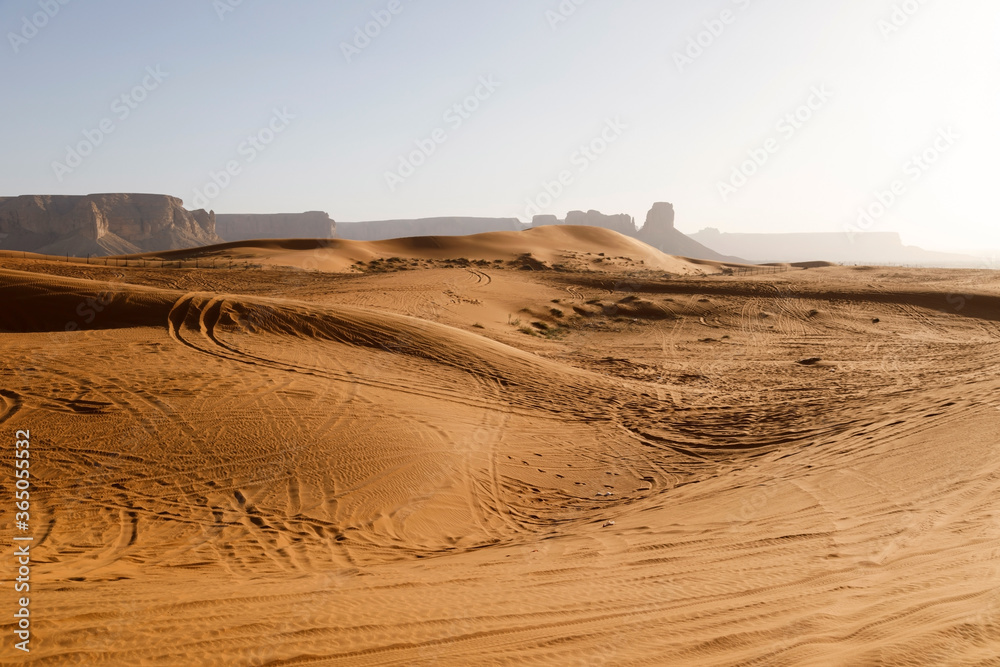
(422, 462)
(559, 246)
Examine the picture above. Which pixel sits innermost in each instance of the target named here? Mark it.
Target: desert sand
(552, 447)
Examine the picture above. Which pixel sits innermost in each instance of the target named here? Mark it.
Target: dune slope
(486, 464)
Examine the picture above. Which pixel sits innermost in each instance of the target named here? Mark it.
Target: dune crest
(559, 247)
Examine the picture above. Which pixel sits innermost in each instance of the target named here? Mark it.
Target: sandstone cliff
(102, 224)
(243, 227)
(659, 232)
(659, 220)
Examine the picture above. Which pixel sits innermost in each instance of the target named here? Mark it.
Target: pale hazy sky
(888, 80)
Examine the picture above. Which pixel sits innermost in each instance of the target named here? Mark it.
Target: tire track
(10, 403)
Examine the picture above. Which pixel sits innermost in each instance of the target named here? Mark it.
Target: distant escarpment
(379, 230)
(845, 246)
(658, 231)
(308, 225)
(621, 223)
(102, 224)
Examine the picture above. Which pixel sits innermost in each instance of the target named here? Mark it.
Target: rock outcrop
(243, 227)
(659, 232)
(102, 224)
(659, 225)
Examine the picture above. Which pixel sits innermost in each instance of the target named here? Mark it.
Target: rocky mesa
(102, 224)
(243, 227)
